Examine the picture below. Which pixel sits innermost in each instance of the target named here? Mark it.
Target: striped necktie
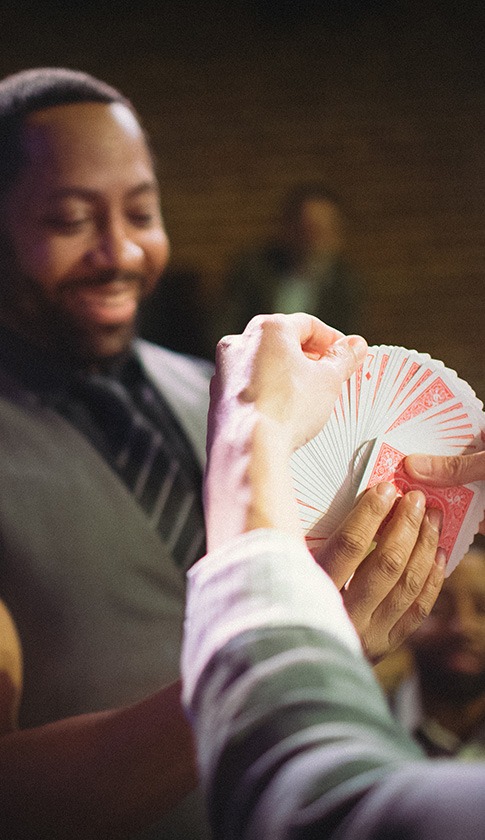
(151, 455)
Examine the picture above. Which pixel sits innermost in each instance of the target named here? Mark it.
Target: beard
(51, 324)
(454, 687)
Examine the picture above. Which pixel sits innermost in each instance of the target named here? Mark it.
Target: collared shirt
(52, 382)
(437, 741)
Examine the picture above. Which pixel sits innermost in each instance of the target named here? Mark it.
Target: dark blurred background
(383, 101)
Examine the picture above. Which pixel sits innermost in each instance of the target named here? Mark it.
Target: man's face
(83, 231)
(319, 227)
(449, 647)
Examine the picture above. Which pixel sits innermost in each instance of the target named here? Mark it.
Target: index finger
(379, 573)
(349, 544)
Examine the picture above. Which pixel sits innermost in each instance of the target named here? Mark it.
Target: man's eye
(142, 219)
(63, 225)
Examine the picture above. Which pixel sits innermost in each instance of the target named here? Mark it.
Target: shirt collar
(408, 708)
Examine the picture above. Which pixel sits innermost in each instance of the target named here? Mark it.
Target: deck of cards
(398, 402)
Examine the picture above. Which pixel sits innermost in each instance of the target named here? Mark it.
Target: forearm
(299, 743)
(100, 775)
(288, 716)
(294, 734)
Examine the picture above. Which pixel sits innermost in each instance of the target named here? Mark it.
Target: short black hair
(28, 91)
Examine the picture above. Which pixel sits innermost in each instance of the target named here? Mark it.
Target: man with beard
(102, 436)
(443, 702)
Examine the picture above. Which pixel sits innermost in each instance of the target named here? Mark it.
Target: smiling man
(102, 436)
(83, 223)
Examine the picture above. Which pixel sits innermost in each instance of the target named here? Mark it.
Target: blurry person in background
(302, 269)
(442, 702)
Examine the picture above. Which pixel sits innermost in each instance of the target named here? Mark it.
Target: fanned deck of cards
(397, 403)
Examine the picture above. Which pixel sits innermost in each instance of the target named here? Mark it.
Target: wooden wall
(243, 99)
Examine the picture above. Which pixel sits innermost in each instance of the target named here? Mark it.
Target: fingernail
(435, 518)
(421, 464)
(440, 558)
(358, 345)
(387, 490)
(416, 498)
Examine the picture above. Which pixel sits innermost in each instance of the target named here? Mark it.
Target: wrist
(248, 483)
(271, 494)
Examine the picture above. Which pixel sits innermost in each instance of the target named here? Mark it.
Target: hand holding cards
(397, 403)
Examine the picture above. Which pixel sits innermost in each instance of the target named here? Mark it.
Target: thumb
(446, 470)
(344, 356)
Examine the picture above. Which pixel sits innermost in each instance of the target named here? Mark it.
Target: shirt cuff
(264, 578)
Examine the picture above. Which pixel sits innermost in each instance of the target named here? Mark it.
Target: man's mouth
(464, 662)
(110, 303)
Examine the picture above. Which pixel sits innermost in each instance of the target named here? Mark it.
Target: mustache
(103, 278)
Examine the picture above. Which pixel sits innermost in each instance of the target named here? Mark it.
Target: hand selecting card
(398, 402)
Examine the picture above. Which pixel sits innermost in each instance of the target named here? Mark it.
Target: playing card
(398, 402)
(461, 507)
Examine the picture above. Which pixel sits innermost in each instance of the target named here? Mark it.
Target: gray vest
(96, 598)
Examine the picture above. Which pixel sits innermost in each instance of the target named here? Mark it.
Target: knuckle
(221, 349)
(431, 590)
(454, 467)
(375, 645)
(343, 356)
(391, 561)
(351, 542)
(412, 582)
(410, 622)
(421, 610)
(413, 516)
(338, 351)
(377, 505)
(257, 321)
(399, 634)
(340, 358)
(364, 520)
(429, 539)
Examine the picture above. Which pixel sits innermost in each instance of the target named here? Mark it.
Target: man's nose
(115, 248)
